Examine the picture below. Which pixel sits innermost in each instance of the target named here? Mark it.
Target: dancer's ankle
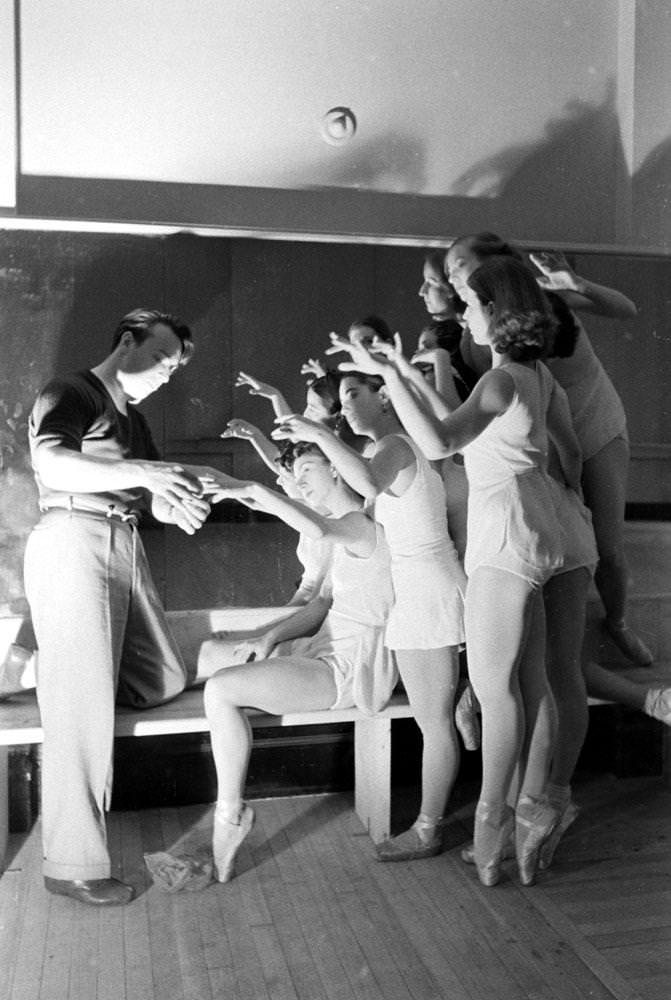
(558, 795)
(228, 812)
(426, 826)
(493, 810)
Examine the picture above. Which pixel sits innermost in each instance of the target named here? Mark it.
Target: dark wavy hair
(446, 331)
(523, 324)
(141, 322)
(326, 387)
(377, 324)
(566, 334)
(294, 450)
(487, 244)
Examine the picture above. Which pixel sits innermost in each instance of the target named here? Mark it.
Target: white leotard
(597, 410)
(512, 522)
(429, 582)
(351, 637)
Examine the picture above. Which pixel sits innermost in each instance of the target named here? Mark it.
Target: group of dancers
(465, 495)
(459, 498)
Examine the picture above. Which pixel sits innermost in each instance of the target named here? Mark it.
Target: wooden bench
(20, 720)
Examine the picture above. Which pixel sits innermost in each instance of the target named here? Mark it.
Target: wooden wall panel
(264, 307)
(636, 354)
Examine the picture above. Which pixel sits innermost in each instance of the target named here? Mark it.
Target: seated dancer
(330, 654)
(426, 623)
(322, 404)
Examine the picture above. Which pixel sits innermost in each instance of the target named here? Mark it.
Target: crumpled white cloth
(182, 872)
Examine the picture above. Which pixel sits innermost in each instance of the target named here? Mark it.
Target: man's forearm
(69, 471)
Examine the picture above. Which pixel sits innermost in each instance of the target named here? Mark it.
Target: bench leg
(372, 775)
(4, 805)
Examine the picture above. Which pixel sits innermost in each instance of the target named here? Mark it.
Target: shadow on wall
(61, 297)
(34, 290)
(394, 163)
(566, 181)
(651, 198)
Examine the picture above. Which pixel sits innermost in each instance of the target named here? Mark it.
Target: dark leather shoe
(96, 891)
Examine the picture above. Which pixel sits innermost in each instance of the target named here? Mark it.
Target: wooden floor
(311, 915)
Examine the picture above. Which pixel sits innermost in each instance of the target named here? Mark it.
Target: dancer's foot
(658, 704)
(226, 839)
(535, 821)
(466, 719)
(628, 643)
(422, 840)
(17, 672)
(568, 814)
(492, 832)
(467, 853)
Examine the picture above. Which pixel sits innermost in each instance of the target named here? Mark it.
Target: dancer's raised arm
(263, 446)
(578, 292)
(258, 388)
(437, 438)
(345, 530)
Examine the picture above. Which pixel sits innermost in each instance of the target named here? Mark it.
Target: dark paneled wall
(263, 307)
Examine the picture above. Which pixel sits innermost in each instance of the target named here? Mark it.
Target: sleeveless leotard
(316, 557)
(597, 410)
(575, 525)
(512, 524)
(351, 637)
(429, 583)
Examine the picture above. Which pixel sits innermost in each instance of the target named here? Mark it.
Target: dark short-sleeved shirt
(77, 412)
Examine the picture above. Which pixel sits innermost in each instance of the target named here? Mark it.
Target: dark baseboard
(648, 512)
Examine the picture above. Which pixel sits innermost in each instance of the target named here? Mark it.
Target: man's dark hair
(140, 322)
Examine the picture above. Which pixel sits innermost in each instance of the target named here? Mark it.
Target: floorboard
(310, 914)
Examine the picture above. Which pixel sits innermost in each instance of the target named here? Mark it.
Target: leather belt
(112, 513)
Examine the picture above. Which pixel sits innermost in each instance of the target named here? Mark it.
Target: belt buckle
(123, 515)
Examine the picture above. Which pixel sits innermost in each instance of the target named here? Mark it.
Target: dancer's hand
(236, 489)
(169, 481)
(557, 275)
(255, 649)
(190, 514)
(391, 351)
(363, 360)
(255, 386)
(296, 427)
(241, 429)
(313, 367)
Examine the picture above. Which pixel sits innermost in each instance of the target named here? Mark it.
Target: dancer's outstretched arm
(579, 293)
(437, 438)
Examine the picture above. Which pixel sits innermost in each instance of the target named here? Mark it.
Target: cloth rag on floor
(183, 872)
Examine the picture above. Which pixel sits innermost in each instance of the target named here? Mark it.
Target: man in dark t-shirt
(100, 627)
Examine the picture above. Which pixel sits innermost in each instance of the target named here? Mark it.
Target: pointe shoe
(658, 704)
(535, 821)
(492, 833)
(628, 643)
(95, 891)
(226, 839)
(567, 815)
(411, 845)
(466, 719)
(467, 853)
